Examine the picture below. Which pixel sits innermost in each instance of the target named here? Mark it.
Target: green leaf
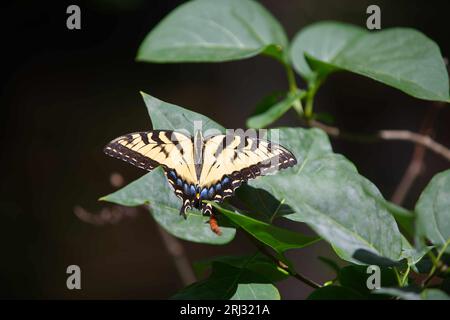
(335, 293)
(403, 293)
(214, 31)
(258, 263)
(268, 101)
(307, 143)
(263, 205)
(323, 41)
(277, 238)
(326, 192)
(275, 112)
(153, 189)
(166, 116)
(434, 294)
(256, 291)
(355, 277)
(433, 211)
(331, 264)
(231, 282)
(399, 57)
(413, 255)
(411, 294)
(404, 217)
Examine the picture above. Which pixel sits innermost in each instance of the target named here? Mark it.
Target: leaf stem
(436, 264)
(312, 90)
(405, 276)
(293, 88)
(291, 78)
(397, 275)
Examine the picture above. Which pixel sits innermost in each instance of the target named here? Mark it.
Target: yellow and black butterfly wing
(230, 160)
(170, 149)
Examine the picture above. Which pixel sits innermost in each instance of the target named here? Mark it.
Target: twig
(388, 135)
(105, 216)
(417, 160)
(176, 251)
(436, 263)
(283, 266)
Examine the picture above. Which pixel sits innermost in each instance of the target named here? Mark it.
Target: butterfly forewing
(147, 150)
(241, 157)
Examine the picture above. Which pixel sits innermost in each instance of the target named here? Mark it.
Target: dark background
(65, 93)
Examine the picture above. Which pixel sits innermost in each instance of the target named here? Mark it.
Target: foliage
(325, 190)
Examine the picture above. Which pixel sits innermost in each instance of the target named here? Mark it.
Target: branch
(176, 251)
(412, 172)
(400, 135)
(417, 160)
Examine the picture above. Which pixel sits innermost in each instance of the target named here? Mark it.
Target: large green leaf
(399, 57)
(153, 189)
(214, 31)
(433, 211)
(277, 238)
(326, 191)
(323, 41)
(231, 281)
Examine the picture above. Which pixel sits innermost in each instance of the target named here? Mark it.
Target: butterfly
(201, 168)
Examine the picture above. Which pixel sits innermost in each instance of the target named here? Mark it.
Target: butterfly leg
(186, 206)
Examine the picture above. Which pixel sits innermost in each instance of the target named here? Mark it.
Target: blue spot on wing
(211, 192)
(173, 174)
(204, 193)
(225, 180)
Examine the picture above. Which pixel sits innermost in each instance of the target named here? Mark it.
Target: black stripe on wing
(234, 180)
(116, 150)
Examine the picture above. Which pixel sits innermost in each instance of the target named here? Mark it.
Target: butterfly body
(201, 168)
